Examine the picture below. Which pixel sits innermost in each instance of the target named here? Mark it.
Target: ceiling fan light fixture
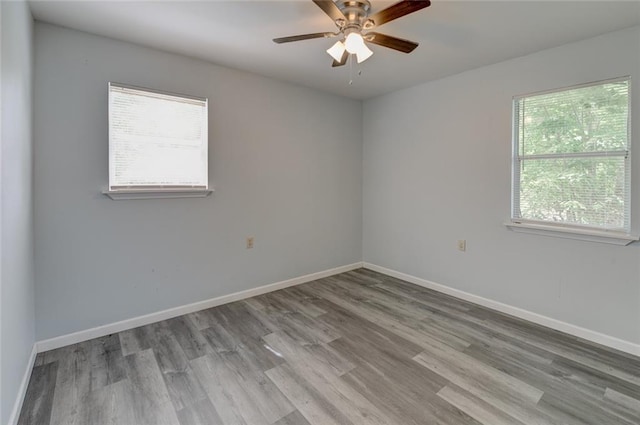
(354, 43)
(337, 50)
(363, 54)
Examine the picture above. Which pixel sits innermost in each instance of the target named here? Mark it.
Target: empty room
(317, 212)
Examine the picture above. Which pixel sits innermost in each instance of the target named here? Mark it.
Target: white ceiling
(454, 36)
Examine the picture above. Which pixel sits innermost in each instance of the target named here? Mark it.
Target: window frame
(618, 236)
(156, 191)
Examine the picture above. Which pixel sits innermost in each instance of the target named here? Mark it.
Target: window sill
(120, 195)
(601, 236)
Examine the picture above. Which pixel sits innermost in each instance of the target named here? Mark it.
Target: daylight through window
(156, 140)
(571, 157)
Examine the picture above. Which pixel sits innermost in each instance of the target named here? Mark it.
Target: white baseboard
(22, 391)
(80, 336)
(593, 336)
(73, 338)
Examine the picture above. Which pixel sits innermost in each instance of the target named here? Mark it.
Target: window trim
(169, 193)
(566, 232)
(156, 191)
(616, 236)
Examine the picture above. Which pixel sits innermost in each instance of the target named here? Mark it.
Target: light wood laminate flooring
(356, 348)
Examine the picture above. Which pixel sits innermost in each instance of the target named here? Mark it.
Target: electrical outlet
(250, 242)
(462, 245)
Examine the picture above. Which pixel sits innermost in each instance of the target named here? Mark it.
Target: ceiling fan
(352, 18)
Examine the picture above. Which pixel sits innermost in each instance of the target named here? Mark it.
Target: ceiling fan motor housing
(356, 13)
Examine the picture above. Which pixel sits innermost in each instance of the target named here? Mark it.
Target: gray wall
(17, 323)
(285, 161)
(437, 169)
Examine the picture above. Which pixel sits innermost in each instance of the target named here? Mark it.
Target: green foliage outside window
(572, 155)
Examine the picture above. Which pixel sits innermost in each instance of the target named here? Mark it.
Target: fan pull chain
(351, 70)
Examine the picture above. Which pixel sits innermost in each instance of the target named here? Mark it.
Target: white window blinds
(571, 156)
(156, 140)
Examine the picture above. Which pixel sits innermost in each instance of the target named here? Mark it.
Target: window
(157, 141)
(571, 164)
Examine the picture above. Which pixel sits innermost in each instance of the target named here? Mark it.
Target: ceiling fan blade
(398, 10)
(304, 37)
(343, 60)
(330, 8)
(394, 43)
